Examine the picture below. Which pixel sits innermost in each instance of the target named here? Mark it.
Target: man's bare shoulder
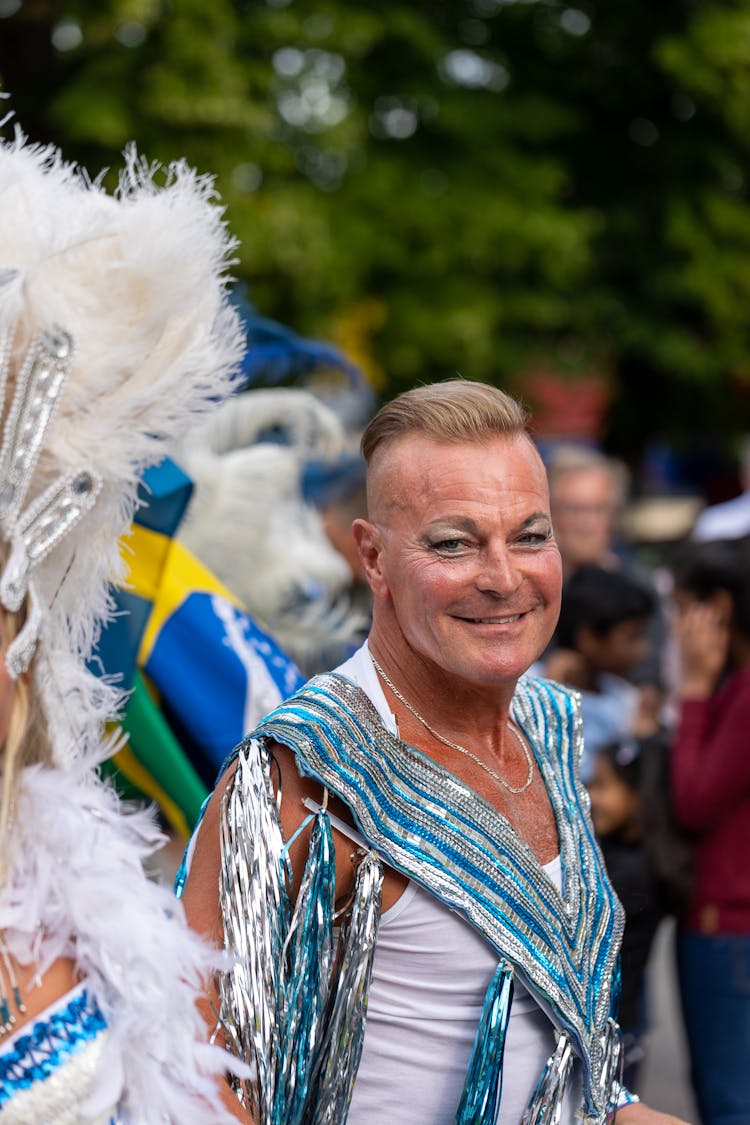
(200, 897)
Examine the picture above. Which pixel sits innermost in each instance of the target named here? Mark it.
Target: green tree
(478, 186)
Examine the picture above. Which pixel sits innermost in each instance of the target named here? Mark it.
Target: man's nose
(499, 572)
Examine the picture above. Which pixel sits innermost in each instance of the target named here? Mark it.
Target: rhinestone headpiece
(35, 530)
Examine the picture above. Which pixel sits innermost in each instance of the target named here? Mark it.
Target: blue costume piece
(429, 825)
(43, 1065)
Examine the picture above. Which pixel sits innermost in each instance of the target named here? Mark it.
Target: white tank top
(430, 976)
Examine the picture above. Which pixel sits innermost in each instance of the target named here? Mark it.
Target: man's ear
(369, 540)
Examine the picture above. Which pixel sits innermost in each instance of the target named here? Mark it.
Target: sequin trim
(34, 1054)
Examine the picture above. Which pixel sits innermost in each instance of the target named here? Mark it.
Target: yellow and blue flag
(202, 673)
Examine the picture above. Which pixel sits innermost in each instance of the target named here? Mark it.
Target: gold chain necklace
(462, 749)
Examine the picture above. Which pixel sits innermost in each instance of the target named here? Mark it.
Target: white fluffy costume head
(248, 520)
(115, 333)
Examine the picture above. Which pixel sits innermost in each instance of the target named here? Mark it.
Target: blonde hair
(26, 741)
(454, 411)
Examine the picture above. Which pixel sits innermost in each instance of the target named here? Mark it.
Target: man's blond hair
(454, 411)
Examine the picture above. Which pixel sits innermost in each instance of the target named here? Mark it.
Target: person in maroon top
(710, 770)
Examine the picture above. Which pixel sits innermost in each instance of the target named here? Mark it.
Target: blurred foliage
(479, 186)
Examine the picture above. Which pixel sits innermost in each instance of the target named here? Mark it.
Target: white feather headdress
(116, 334)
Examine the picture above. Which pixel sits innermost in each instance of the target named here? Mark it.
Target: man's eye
(447, 546)
(534, 538)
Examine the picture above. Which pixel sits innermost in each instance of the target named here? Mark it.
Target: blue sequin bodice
(35, 1062)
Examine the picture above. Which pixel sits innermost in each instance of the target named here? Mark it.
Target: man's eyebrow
(534, 517)
(466, 523)
(460, 523)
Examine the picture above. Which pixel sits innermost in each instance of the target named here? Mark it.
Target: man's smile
(493, 620)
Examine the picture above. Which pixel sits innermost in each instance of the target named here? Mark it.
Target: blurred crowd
(661, 658)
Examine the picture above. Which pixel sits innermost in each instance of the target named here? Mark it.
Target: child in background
(647, 861)
(600, 640)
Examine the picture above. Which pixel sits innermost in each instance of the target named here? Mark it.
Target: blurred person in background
(710, 770)
(647, 860)
(599, 642)
(588, 491)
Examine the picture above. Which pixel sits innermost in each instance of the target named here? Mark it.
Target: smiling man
(426, 796)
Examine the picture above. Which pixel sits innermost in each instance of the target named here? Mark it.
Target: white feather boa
(77, 889)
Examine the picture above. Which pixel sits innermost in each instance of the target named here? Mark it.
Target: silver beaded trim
(37, 391)
(33, 532)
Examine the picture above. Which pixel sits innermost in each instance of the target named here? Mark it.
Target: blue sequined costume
(426, 823)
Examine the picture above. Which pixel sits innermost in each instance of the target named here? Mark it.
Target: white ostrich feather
(138, 280)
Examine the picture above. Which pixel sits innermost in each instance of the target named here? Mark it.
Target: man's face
(583, 512)
(460, 556)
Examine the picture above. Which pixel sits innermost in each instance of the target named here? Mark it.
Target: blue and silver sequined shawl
(429, 825)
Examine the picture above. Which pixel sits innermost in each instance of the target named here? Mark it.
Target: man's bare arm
(201, 895)
(201, 902)
(639, 1114)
